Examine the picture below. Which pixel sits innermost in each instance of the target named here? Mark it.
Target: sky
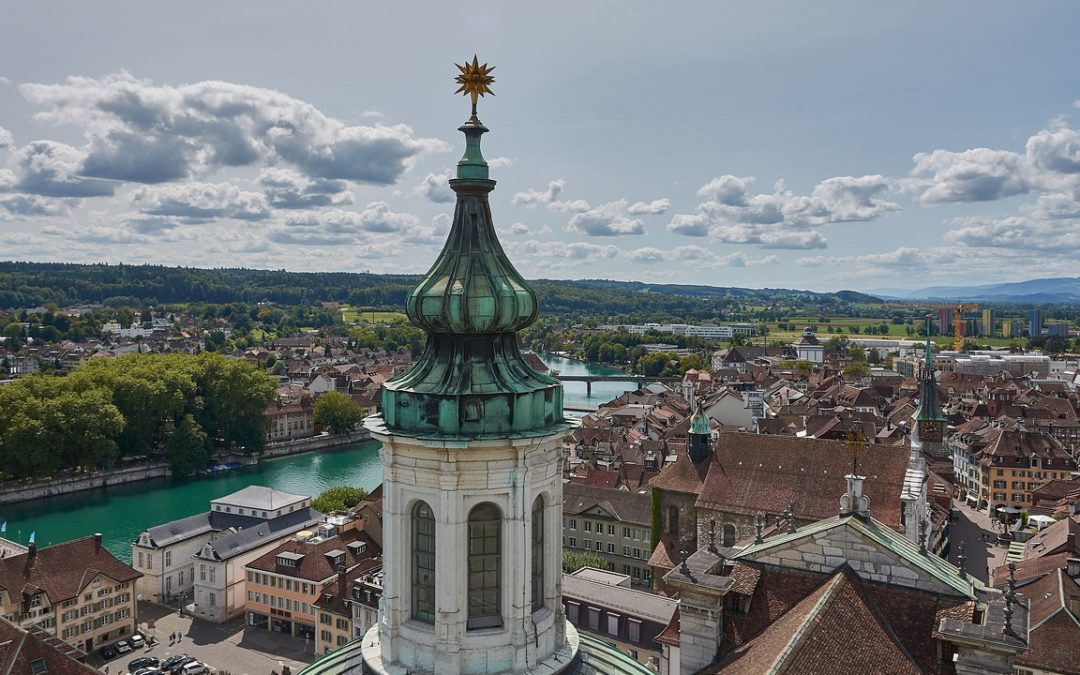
(820, 146)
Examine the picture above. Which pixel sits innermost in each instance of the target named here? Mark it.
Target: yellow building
(284, 585)
(1017, 462)
(77, 591)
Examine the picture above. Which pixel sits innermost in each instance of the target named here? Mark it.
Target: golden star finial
(474, 80)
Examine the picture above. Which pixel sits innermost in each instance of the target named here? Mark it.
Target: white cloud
(652, 208)
(646, 255)
(606, 220)
(375, 218)
(780, 219)
(435, 187)
(1056, 150)
(289, 189)
(149, 133)
(519, 229)
(52, 170)
(28, 205)
(499, 162)
(201, 201)
(850, 198)
(532, 197)
(975, 175)
(575, 251)
(1018, 233)
(690, 253)
(7, 140)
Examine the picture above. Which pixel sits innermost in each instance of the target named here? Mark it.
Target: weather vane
(856, 443)
(474, 80)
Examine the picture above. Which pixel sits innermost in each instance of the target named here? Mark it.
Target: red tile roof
(20, 648)
(836, 629)
(681, 475)
(754, 473)
(62, 571)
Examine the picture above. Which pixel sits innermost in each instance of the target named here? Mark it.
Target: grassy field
(351, 315)
(896, 331)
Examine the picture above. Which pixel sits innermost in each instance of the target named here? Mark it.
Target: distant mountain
(1052, 290)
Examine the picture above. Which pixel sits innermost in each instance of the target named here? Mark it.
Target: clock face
(932, 430)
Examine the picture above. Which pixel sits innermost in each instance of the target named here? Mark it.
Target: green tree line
(138, 404)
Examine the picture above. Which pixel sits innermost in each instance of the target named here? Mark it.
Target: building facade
(166, 555)
(613, 524)
(77, 591)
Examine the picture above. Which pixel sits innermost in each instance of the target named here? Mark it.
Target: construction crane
(957, 316)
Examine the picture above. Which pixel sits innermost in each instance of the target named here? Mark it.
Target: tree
(338, 498)
(572, 561)
(14, 333)
(337, 412)
(857, 369)
(187, 448)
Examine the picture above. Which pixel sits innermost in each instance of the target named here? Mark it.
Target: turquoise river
(120, 513)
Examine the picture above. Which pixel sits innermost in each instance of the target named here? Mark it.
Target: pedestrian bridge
(640, 380)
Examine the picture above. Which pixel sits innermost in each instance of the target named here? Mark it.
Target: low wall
(20, 492)
(320, 442)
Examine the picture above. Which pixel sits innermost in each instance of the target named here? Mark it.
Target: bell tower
(471, 455)
(929, 420)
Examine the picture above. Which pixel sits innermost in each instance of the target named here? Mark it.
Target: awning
(973, 498)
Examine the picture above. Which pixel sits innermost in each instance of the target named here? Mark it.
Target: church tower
(700, 445)
(471, 456)
(929, 420)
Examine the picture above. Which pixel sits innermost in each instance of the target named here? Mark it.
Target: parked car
(108, 652)
(137, 641)
(178, 660)
(148, 671)
(143, 662)
(123, 647)
(194, 668)
(178, 667)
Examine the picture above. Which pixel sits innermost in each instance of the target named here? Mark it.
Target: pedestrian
(179, 636)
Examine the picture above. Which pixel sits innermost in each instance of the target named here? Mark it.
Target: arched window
(538, 553)
(730, 533)
(423, 563)
(673, 521)
(485, 562)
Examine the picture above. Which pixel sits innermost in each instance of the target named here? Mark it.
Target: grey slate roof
(624, 600)
(259, 497)
(242, 540)
(178, 530)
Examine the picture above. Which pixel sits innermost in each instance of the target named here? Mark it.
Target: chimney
(1072, 567)
(853, 502)
(97, 541)
(32, 550)
(342, 590)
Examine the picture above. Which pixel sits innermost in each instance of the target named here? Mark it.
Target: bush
(338, 498)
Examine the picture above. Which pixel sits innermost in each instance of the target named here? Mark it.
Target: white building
(166, 554)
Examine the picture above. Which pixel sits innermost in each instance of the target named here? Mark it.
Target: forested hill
(24, 284)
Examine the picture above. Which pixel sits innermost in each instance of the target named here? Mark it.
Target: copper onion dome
(471, 381)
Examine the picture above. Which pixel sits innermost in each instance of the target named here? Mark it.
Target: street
(230, 647)
(975, 529)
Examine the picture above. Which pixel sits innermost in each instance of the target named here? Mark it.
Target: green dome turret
(472, 380)
(472, 288)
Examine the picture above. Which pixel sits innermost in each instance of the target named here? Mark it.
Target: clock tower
(929, 420)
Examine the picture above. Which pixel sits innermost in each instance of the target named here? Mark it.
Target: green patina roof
(890, 539)
(471, 380)
(699, 422)
(929, 406)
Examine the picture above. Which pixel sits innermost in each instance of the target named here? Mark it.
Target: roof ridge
(832, 586)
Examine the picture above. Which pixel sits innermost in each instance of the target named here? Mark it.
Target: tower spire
(471, 379)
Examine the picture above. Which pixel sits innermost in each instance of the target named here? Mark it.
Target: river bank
(65, 485)
(121, 512)
(83, 482)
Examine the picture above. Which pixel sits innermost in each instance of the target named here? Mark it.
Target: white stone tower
(472, 506)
